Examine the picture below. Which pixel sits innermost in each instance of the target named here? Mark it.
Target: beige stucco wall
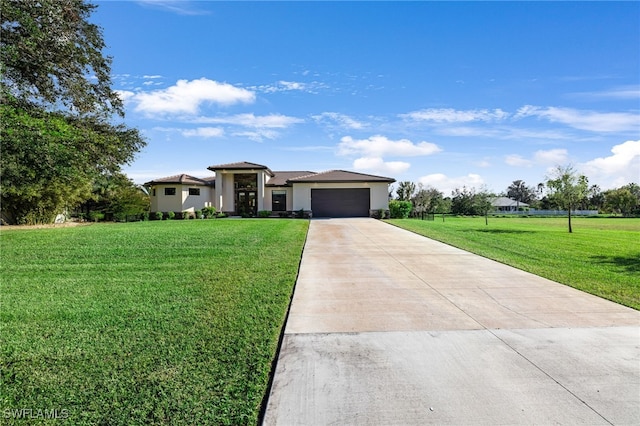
(182, 201)
(268, 199)
(379, 193)
(197, 202)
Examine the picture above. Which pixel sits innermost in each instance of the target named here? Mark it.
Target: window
(279, 201)
(194, 191)
(169, 191)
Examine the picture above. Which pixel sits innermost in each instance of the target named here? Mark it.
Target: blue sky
(443, 93)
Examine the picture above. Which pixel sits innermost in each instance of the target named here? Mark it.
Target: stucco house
(247, 188)
(504, 204)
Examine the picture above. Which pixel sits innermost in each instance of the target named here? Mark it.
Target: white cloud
(258, 135)
(618, 169)
(125, 95)
(341, 120)
(180, 7)
(379, 146)
(450, 115)
(622, 92)
(447, 184)
(378, 166)
(551, 157)
(288, 86)
(204, 132)
(516, 160)
(187, 96)
(272, 121)
(584, 119)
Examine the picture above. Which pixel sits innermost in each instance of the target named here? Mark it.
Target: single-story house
(504, 204)
(246, 188)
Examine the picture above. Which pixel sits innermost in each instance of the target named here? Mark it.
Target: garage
(340, 202)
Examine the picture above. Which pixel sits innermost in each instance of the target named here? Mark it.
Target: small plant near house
(171, 215)
(264, 213)
(198, 214)
(209, 212)
(158, 215)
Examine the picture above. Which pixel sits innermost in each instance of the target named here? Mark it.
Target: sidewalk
(388, 327)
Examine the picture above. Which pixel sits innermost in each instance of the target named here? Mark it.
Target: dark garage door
(343, 202)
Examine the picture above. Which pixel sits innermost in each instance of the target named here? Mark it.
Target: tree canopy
(56, 101)
(51, 55)
(568, 189)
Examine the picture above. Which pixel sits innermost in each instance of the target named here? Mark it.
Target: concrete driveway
(390, 328)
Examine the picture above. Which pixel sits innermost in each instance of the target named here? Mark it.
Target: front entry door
(246, 203)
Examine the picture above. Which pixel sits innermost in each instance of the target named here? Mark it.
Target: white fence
(533, 212)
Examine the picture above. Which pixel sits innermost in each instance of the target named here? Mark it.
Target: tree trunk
(570, 230)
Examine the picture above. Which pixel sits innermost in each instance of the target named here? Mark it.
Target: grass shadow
(630, 264)
(500, 231)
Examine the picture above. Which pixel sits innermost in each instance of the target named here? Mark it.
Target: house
(246, 188)
(504, 204)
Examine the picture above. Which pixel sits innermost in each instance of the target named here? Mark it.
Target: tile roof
(340, 176)
(506, 202)
(242, 165)
(182, 179)
(280, 178)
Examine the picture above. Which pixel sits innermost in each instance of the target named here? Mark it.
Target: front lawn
(172, 322)
(601, 256)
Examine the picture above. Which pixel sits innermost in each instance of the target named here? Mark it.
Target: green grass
(173, 322)
(601, 256)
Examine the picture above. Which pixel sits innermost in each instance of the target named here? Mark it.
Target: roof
(183, 179)
(340, 176)
(281, 178)
(242, 165)
(507, 202)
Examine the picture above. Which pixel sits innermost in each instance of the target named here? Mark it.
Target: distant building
(504, 204)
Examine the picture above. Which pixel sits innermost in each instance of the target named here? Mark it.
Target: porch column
(217, 203)
(260, 194)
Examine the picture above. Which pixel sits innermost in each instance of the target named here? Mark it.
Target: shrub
(158, 215)
(198, 214)
(96, 216)
(171, 215)
(208, 212)
(400, 209)
(264, 213)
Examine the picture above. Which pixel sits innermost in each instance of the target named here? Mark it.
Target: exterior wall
(267, 196)
(227, 195)
(196, 202)
(379, 193)
(182, 201)
(166, 203)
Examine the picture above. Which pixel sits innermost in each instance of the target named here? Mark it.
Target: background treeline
(623, 201)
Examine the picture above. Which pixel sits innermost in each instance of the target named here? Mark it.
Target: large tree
(427, 199)
(567, 189)
(50, 54)
(50, 160)
(405, 190)
(56, 101)
(519, 191)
